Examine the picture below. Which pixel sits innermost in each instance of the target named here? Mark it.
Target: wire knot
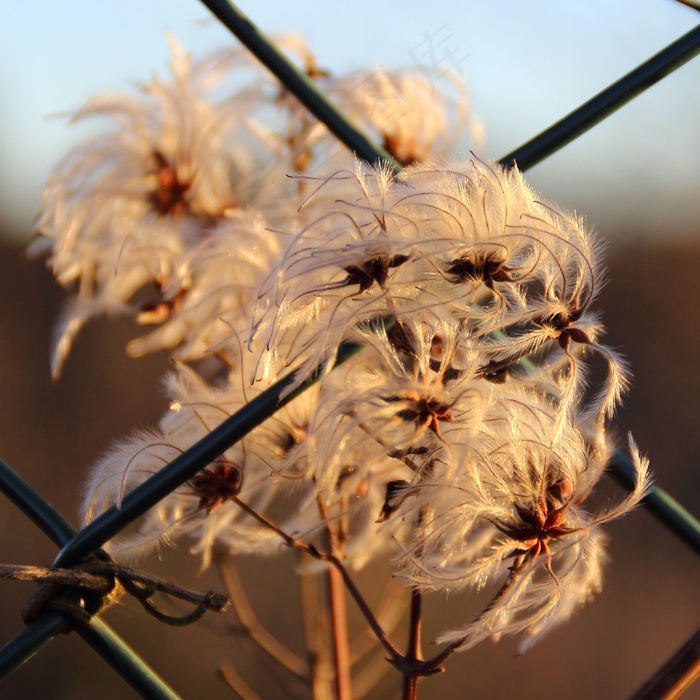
(76, 592)
(87, 589)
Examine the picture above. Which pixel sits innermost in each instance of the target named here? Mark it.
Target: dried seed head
(217, 484)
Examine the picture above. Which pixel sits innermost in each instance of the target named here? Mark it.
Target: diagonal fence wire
(186, 465)
(81, 545)
(605, 103)
(551, 140)
(98, 634)
(298, 83)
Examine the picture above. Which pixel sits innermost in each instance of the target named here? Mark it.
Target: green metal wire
(35, 506)
(187, 464)
(606, 102)
(98, 634)
(31, 640)
(659, 502)
(583, 118)
(126, 662)
(102, 638)
(298, 83)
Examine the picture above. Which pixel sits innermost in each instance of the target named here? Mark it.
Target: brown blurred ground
(650, 604)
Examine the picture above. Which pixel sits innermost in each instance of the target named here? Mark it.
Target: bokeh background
(636, 177)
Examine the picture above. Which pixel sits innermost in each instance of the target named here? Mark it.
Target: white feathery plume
(514, 520)
(460, 435)
(121, 208)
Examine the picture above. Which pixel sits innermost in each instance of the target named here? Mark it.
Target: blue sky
(527, 63)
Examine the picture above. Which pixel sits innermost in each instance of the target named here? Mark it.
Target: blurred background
(636, 178)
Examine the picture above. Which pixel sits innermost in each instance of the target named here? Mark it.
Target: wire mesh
(78, 546)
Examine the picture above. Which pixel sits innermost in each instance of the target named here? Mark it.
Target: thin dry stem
(317, 634)
(339, 616)
(64, 577)
(395, 654)
(252, 625)
(414, 652)
(229, 675)
(390, 611)
(414, 649)
(676, 675)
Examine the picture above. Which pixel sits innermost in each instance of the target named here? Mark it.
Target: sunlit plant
(459, 446)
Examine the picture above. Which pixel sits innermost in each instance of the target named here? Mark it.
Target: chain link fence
(74, 605)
